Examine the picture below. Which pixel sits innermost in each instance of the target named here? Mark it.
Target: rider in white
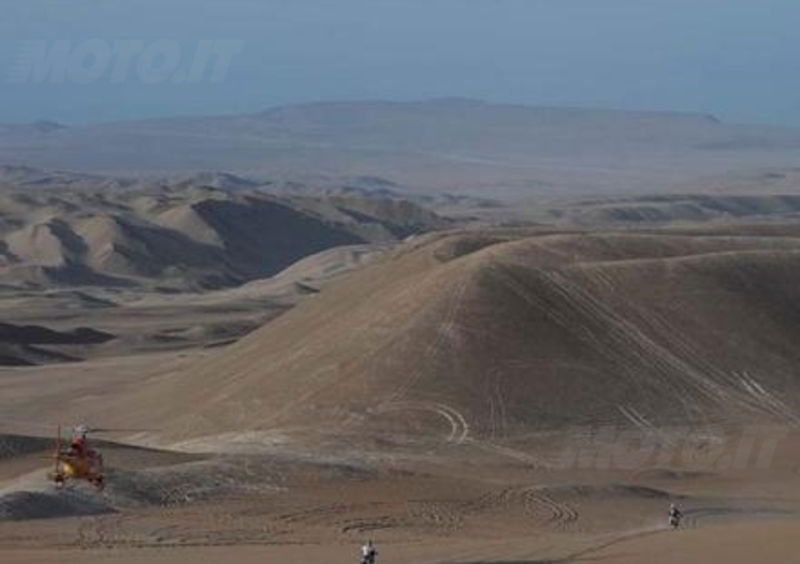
(368, 553)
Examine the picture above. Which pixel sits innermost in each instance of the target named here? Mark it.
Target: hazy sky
(737, 59)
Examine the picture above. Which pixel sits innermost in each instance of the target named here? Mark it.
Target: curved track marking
(459, 428)
(533, 501)
(444, 516)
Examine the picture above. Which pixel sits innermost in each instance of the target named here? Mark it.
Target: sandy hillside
(496, 334)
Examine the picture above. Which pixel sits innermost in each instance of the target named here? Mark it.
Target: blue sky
(737, 59)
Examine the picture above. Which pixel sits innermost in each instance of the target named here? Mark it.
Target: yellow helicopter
(78, 461)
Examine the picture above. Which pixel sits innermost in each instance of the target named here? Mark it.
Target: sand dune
(453, 335)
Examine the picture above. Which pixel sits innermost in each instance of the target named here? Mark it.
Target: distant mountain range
(466, 146)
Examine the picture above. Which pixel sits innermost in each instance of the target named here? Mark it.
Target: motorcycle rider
(675, 516)
(78, 446)
(368, 553)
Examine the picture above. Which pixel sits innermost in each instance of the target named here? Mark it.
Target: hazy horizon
(730, 58)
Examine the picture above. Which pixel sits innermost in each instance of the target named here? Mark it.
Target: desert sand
(472, 396)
